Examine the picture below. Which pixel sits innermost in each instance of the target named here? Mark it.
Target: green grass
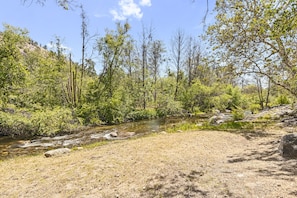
(227, 126)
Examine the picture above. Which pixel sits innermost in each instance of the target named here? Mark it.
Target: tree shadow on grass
(252, 134)
(177, 185)
(267, 151)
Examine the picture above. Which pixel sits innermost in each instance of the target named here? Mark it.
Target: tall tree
(146, 38)
(258, 37)
(84, 35)
(112, 47)
(12, 69)
(193, 58)
(156, 58)
(178, 49)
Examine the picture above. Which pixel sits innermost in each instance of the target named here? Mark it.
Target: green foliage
(51, 121)
(49, 93)
(228, 126)
(110, 111)
(255, 108)
(268, 31)
(88, 114)
(15, 123)
(12, 70)
(282, 99)
(39, 122)
(183, 126)
(168, 106)
(198, 95)
(238, 114)
(142, 114)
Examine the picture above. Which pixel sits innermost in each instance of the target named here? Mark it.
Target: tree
(156, 53)
(63, 3)
(146, 39)
(258, 37)
(178, 47)
(112, 47)
(193, 59)
(12, 69)
(84, 35)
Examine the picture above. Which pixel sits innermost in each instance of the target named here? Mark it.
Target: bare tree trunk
(84, 35)
(178, 43)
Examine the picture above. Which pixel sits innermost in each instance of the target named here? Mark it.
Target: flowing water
(10, 147)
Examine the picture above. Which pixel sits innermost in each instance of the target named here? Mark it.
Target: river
(11, 147)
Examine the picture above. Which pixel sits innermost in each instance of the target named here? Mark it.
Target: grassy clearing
(189, 164)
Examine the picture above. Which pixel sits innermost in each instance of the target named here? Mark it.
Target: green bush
(282, 99)
(40, 122)
(88, 114)
(142, 115)
(15, 123)
(255, 108)
(50, 122)
(168, 107)
(238, 114)
(110, 111)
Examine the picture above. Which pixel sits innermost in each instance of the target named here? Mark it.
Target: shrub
(50, 122)
(238, 114)
(88, 114)
(168, 107)
(282, 99)
(142, 115)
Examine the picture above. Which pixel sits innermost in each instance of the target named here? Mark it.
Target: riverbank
(188, 164)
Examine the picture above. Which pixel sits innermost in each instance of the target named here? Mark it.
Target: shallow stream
(11, 147)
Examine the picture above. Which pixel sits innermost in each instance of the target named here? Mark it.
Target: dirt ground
(188, 164)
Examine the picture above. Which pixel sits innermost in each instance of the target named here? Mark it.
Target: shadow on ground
(267, 151)
(177, 185)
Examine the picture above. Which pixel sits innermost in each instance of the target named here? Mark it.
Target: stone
(114, 134)
(57, 152)
(220, 118)
(288, 146)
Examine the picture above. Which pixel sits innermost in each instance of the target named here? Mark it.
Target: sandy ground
(188, 164)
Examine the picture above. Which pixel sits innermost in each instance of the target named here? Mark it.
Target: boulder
(288, 146)
(57, 152)
(220, 118)
(114, 134)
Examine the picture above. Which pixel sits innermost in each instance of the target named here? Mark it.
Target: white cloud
(128, 8)
(145, 3)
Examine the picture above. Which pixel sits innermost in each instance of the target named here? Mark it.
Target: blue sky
(46, 22)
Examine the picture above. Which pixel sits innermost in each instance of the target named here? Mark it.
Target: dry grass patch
(190, 164)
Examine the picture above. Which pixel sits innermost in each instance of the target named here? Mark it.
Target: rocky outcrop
(220, 118)
(282, 112)
(288, 146)
(57, 152)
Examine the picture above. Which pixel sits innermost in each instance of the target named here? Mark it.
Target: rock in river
(57, 152)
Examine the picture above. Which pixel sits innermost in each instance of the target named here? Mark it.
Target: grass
(227, 126)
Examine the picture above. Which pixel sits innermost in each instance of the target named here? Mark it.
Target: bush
(168, 107)
(142, 115)
(13, 123)
(282, 99)
(88, 114)
(40, 122)
(238, 114)
(110, 111)
(255, 108)
(50, 122)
